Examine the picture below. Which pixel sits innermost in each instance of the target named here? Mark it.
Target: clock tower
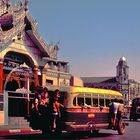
(122, 77)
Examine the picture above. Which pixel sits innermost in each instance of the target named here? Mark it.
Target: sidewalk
(17, 125)
(8, 131)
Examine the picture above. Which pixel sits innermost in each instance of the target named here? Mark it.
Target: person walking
(45, 111)
(113, 110)
(56, 126)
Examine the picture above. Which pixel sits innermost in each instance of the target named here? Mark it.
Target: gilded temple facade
(24, 53)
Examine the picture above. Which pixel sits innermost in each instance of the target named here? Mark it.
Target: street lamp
(26, 68)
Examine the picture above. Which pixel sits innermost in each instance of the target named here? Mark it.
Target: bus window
(80, 101)
(108, 101)
(88, 101)
(101, 102)
(95, 102)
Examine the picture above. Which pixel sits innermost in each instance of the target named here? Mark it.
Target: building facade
(121, 82)
(21, 45)
(26, 60)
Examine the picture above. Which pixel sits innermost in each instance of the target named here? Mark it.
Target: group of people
(46, 113)
(115, 112)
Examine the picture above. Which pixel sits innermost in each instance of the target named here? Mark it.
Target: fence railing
(4, 101)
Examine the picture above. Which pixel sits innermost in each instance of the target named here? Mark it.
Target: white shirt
(115, 106)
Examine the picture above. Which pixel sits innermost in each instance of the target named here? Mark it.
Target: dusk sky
(93, 34)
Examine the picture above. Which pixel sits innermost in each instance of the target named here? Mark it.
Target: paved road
(132, 133)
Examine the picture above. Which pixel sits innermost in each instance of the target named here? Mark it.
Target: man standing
(56, 112)
(113, 106)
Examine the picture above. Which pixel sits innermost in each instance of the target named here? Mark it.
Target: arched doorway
(12, 85)
(17, 79)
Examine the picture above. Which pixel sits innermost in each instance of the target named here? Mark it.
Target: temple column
(44, 77)
(1, 76)
(36, 79)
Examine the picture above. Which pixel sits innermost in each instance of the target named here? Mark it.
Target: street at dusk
(131, 133)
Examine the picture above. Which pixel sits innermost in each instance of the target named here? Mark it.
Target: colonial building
(134, 89)
(21, 46)
(121, 82)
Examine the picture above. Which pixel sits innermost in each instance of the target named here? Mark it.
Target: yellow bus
(87, 109)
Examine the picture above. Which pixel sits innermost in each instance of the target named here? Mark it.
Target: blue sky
(93, 34)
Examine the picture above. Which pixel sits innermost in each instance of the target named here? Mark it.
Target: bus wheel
(121, 127)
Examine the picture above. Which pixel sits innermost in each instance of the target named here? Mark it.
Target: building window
(49, 82)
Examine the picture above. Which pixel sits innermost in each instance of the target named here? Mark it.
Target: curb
(15, 131)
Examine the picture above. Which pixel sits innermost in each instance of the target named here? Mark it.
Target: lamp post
(26, 68)
(28, 94)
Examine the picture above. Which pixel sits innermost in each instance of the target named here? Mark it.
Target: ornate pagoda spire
(25, 2)
(4, 6)
(11, 20)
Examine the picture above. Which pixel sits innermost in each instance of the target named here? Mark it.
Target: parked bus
(87, 109)
(135, 109)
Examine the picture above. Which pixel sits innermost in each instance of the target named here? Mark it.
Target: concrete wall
(76, 81)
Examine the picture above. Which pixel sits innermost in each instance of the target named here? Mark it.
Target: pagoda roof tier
(15, 19)
(6, 19)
